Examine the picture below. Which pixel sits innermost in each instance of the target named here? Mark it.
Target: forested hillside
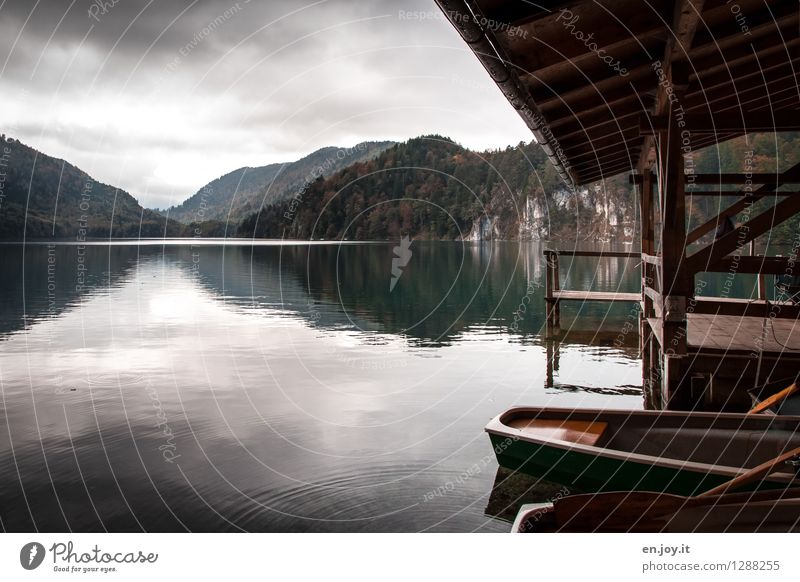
(430, 187)
(45, 197)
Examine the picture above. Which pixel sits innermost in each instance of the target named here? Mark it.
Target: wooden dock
(696, 81)
(729, 344)
(554, 295)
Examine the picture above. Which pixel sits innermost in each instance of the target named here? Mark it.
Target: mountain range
(236, 194)
(427, 187)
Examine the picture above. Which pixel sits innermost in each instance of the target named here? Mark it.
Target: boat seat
(581, 432)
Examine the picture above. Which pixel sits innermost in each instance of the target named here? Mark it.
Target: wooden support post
(676, 282)
(647, 235)
(553, 353)
(551, 287)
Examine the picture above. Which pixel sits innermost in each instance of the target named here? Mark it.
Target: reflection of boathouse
(625, 86)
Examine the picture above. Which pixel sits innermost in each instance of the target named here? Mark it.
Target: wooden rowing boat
(776, 516)
(682, 453)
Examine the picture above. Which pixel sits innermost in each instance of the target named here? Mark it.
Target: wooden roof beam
(684, 27)
(779, 91)
(725, 29)
(772, 180)
(554, 44)
(582, 83)
(522, 12)
(608, 122)
(745, 121)
(620, 156)
(718, 193)
(763, 50)
(709, 256)
(739, 205)
(774, 65)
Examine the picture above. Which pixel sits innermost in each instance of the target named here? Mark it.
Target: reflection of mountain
(41, 281)
(445, 290)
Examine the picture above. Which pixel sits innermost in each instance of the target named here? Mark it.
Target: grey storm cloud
(159, 97)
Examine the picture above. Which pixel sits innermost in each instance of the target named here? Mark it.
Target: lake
(211, 386)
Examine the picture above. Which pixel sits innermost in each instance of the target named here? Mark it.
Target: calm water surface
(285, 387)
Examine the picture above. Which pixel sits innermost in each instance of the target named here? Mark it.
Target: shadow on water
(512, 490)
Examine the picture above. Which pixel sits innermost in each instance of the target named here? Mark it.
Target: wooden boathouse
(615, 86)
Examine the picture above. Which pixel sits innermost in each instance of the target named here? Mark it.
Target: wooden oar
(753, 474)
(774, 399)
(586, 512)
(623, 510)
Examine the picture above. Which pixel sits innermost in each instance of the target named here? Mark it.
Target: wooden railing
(554, 295)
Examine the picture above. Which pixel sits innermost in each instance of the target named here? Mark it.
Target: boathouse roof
(589, 77)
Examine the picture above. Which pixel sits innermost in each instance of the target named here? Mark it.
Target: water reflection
(279, 388)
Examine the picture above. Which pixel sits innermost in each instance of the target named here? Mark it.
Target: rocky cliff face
(600, 212)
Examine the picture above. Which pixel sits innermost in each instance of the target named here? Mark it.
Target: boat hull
(595, 469)
(592, 473)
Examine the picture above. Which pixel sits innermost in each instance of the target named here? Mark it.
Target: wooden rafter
(708, 257)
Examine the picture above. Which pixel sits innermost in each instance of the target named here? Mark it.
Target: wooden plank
(621, 254)
(719, 193)
(581, 432)
(727, 334)
(651, 259)
(758, 308)
(712, 223)
(571, 295)
(745, 121)
(684, 26)
(753, 265)
(773, 179)
(655, 329)
(654, 295)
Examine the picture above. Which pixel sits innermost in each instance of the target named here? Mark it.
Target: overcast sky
(159, 97)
